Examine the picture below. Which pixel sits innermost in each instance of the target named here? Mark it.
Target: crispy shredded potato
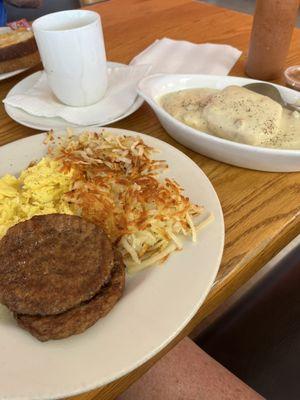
(118, 185)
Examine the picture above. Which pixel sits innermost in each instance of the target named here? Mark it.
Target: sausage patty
(52, 263)
(80, 318)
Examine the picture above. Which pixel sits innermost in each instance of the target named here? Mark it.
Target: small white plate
(7, 75)
(158, 302)
(44, 123)
(242, 155)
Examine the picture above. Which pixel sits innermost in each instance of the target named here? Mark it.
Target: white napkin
(181, 57)
(121, 94)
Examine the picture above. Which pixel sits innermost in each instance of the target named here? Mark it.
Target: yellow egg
(9, 186)
(39, 190)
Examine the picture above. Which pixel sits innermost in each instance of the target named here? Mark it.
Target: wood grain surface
(261, 210)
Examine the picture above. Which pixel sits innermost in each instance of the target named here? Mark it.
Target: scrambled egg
(39, 190)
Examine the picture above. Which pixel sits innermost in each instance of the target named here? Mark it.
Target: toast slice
(18, 49)
(20, 63)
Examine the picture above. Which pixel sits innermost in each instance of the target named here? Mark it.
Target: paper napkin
(182, 57)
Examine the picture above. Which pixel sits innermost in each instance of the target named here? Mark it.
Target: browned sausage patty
(80, 318)
(52, 263)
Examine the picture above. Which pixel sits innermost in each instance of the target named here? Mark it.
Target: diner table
(261, 209)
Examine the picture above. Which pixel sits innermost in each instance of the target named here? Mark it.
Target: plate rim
(196, 306)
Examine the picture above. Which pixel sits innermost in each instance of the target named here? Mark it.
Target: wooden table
(261, 209)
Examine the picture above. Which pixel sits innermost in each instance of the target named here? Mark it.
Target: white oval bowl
(239, 154)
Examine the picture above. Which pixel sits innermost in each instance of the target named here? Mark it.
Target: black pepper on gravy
(236, 114)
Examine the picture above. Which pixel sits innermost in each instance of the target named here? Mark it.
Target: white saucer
(7, 75)
(43, 123)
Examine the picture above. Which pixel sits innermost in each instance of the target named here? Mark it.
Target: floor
(257, 337)
(246, 6)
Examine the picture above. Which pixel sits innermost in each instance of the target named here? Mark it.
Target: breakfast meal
(112, 181)
(73, 220)
(18, 50)
(236, 114)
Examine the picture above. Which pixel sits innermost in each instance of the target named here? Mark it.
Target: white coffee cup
(72, 50)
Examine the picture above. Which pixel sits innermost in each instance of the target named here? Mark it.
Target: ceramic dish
(241, 155)
(44, 123)
(291, 75)
(157, 303)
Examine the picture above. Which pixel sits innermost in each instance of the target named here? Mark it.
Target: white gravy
(222, 113)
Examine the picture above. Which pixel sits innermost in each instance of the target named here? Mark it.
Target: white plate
(242, 155)
(43, 123)
(6, 75)
(157, 303)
